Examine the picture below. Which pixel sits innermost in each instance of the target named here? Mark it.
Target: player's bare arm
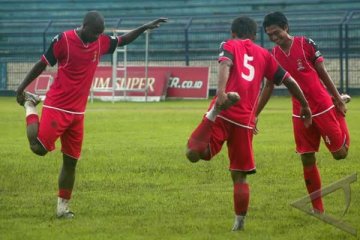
(264, 98)
(37, 69)
(296, 92)
(223, 76)
(131, 36)
(326, 79)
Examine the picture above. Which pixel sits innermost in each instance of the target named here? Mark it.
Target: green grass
(133, 181)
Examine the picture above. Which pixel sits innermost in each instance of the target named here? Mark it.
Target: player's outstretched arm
(36, 70)
(131, 36)
(295, 90)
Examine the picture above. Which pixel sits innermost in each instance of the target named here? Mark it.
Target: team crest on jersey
(300, 65)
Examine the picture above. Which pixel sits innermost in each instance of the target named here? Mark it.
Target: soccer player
(301, 58)
(231, 115)
(77, 53)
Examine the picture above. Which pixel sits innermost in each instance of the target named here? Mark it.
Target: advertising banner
(162, 82)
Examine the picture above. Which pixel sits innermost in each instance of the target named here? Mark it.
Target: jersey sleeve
(312, 51)
(226, 52)
(274, 72)
(51, 56)
(109, 43)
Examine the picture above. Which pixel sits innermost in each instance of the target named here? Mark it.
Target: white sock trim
(62, 205)
(30, 108)
(212, 114)
(239, 217)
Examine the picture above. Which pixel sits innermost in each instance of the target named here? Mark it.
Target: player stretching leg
(231, 115)
(200, 138)
(301, 58)
(77, 53)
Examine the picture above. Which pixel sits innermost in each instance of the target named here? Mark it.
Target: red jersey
(77, 63)
(250, 64)
(300, 63)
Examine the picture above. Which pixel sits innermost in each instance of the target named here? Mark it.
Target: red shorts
(239, 143)
(331, 126)
(68, 126)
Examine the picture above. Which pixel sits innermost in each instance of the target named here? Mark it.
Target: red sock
(313, 183)
(200, 138)
(65, 193)
(32, 118)
(241, 198)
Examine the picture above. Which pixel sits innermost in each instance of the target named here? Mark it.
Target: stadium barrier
(194, 41)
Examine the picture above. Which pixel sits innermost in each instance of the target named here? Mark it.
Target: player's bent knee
(38, 149)
(192, 156)
(339, 156)
(206, 155)
(342, 154)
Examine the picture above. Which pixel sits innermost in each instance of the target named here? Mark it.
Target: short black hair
(244, 27)
(93, 18)
(275, 18)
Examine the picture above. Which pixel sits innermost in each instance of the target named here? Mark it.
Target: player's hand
(341, 107)
(306, 117)
(221, 99)
(155, 23)
(255, 129)
(20, 99)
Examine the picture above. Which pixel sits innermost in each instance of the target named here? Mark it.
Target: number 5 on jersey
(247, 64)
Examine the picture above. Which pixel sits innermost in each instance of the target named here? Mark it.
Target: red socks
(241, 198)
(65, 193)
(200, 138)
(32, 118)
(313, 183)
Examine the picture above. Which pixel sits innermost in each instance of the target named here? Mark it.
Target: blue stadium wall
(191, 36)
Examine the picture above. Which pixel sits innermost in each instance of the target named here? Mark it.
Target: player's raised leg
(30, 101)
(312, 180)
(345, 137)
(66, 185)
(198, 143)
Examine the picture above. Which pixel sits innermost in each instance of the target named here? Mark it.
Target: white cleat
(345, 98)
(65, 215)
(63, 209)
(30, 97)
(239, 223)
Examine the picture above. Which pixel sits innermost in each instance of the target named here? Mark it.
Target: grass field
(133, 181)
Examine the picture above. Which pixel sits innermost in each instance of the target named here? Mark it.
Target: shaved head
(94, 20)
(93, 26)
